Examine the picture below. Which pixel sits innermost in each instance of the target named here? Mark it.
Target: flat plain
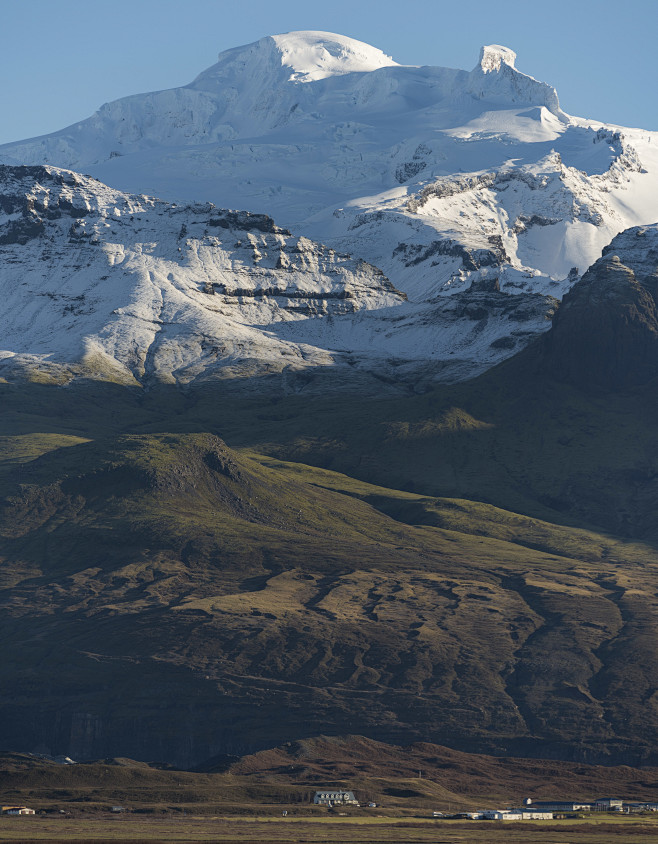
(262, 830)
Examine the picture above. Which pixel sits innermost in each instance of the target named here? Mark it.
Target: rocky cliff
(606, 331)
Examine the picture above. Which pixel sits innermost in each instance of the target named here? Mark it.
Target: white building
(609, 804)
(335, 797)
(516, 815)
(502, 815)
(555, 805)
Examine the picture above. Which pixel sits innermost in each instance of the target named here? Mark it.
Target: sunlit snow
(439, 177)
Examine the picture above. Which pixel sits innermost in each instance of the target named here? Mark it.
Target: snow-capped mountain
(98, 282)
(457, 185)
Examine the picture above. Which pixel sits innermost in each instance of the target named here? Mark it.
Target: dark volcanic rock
(605, 333)
(29, 212)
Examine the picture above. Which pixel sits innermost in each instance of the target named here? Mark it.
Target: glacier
(473, 193)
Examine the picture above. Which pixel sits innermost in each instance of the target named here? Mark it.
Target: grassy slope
(476, 562)
(263, 599)
(385, 774)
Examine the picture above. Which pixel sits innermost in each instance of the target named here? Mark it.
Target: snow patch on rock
(104, 284)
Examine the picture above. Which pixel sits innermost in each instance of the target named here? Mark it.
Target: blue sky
(61, 59)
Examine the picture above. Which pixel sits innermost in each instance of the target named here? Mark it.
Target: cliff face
(104, 284)
(605, 333)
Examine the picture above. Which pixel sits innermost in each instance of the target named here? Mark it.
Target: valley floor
(325, 831)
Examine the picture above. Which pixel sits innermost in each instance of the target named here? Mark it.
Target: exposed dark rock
(472, 259)
(33, 211)
(450, 186)
(474, 311)
(220, 461)
(504, 343)
(21, 231)
(484, 299)
(524, 222)
(412, 168)
(244, 221)
(408, 170)
(485, 285)
(606, 330)
(292, 293)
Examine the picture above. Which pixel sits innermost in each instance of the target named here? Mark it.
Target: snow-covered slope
(449, 181)
(99, 283)
(128, 287)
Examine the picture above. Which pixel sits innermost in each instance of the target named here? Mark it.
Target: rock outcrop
(605, 333)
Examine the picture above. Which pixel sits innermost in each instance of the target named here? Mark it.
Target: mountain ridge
(99, 283)
(489, 181)
(326, 536)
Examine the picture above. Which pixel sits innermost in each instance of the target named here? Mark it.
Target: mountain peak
(317, 55)
(492, 56)
(496, 78)
(304, 56)
(605, 333)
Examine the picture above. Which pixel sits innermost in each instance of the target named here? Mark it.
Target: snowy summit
(493, 56)
(317, 55)
(471, 191)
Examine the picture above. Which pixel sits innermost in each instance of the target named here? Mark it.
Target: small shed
(17, 810)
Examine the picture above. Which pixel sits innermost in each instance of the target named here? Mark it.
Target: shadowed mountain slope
(605, 334)
(209, 572)
(166, 597)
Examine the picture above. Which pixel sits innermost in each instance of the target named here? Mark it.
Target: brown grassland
(244, 800)
(260, 830)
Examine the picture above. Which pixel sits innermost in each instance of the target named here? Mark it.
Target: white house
(335, 797)
(502, 815)
(536, 815)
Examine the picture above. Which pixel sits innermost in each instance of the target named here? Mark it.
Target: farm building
(335, 797)
(501, 815)
(556, 805)
(609, 804)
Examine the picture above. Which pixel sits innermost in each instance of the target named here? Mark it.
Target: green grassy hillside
(186, 574)
(473, 566)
